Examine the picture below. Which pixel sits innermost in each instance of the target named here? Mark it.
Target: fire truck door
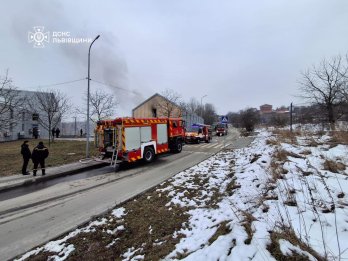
(162, 135)
(132, 138)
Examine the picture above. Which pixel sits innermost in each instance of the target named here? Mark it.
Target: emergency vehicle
(221, 129)
(132, 139)
(197, 133)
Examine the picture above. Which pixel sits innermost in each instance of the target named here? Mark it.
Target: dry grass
(289, 235)
(247, 224)
(223, 229)
(339, 137)
(333, 166)
(61, 152)
(273, 142)
(287, 136)
(276, 166)
(231, 186)
(149, 227)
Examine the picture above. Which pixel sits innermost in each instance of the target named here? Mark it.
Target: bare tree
(209, 113)
(51, 107)
(103, 105)
(193, 106)
(10, 103)
(249, 118)
(323, 85)
(172, 102)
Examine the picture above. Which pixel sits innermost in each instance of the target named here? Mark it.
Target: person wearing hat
(25, 151)
(40, 153)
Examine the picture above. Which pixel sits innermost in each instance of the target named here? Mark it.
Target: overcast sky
(239, 53)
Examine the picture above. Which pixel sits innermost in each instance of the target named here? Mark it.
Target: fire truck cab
(132, 139)
(221, 129)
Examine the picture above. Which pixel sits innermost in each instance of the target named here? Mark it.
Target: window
(154, 112)
(174, 124)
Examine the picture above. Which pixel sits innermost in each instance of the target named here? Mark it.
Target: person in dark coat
(81, 132)
(53, 132)
(40, 153)
(57, 132)
(35, 133)
(25, 151)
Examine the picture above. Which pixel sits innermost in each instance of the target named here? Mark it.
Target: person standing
(35, 132)
(81, 132)
(40, 153)
(53, 132)
(25, 151)
(57, 132)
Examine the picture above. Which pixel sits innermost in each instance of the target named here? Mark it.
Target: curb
(39, 179)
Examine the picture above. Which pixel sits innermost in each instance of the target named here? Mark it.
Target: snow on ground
(245, 203)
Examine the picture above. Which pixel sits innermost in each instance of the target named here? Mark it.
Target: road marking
(209, 145)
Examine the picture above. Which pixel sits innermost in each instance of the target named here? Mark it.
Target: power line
(55, 84)
(113, 86)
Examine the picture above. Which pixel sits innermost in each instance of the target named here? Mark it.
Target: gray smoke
(107, 62)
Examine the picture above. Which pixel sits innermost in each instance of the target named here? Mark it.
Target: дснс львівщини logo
(39, 36)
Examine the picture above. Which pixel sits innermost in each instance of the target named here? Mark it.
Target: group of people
(55, 132)
(38, 156)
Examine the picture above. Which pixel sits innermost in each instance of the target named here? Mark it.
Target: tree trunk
(331, 117)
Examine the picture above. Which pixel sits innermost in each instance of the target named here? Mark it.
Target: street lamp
(202, 105)
(87, 131)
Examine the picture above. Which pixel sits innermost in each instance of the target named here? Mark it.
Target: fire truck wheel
(178, 146)
(149, 154)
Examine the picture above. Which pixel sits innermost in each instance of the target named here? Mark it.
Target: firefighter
(40, 153)
(25, 151)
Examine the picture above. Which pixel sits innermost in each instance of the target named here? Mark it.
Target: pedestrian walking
(40, 153)
(57, 132)
(53, 132)
(25, 151)
(81, 132)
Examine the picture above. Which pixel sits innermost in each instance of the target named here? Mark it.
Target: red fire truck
(132, 139)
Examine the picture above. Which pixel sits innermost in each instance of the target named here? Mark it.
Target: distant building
(266, 113)
(266, 108)
(155, 107)
(269, 116)
(22, 127)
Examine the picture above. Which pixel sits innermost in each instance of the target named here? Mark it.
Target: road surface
(33, 219)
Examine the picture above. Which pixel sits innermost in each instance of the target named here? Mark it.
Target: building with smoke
(159, 106)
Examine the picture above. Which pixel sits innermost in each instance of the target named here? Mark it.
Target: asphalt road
(33, 219)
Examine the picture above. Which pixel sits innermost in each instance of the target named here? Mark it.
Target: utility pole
(290, 117)
(202, 107)
(89, 58)
(75, 127)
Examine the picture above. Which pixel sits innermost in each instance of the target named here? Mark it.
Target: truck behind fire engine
(132, 139)
(197, 133)
(221, 129)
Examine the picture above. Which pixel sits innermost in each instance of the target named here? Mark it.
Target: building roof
(153, 96)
